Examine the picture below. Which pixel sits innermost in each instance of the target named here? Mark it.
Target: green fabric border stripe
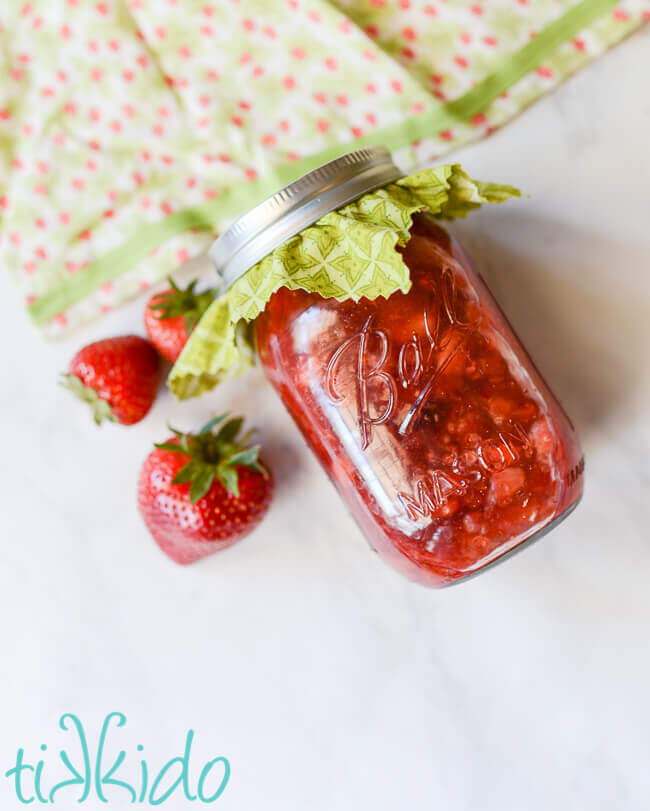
(238, 199)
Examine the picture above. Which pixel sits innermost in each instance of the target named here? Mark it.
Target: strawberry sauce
(426, 412)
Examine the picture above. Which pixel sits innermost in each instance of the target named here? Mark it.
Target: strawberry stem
(184, 301)
(101, 409)
(213, 455)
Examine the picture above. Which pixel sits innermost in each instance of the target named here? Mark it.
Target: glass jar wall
(426, 412)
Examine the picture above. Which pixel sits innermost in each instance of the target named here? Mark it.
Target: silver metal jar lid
(298, 205)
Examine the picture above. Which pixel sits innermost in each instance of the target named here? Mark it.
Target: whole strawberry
(199, 493)
(170, 317)
(117, 377)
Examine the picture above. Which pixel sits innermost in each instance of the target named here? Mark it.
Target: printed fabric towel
(132, 131)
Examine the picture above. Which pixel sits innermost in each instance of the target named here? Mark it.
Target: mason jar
(425, 410)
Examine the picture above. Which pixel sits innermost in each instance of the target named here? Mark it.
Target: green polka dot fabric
(133, 131)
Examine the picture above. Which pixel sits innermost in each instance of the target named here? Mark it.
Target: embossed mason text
(421, 361)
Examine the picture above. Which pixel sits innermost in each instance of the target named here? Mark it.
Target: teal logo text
(80, 771)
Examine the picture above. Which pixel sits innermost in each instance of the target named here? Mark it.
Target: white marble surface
(329, 682)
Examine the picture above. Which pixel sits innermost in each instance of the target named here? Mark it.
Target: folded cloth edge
(436, 119)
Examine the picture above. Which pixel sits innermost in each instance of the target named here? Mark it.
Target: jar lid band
(295, 207)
